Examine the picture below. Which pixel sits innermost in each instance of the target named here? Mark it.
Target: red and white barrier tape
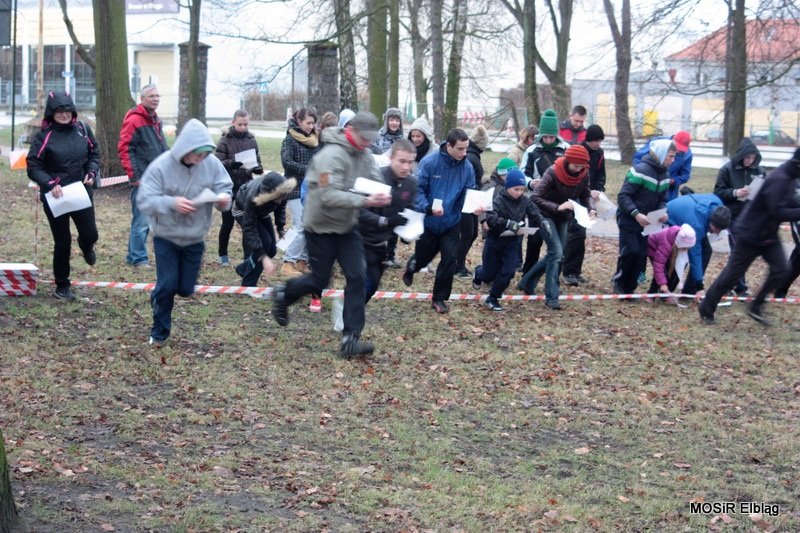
(104, 182)
(392, 295)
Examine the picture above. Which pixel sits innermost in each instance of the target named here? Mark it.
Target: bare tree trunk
(8, 510)
(111, 74)
(418, 47)
(460, 11)
(394, 52)
(348, 90)
(557, 76)
(736, 77)
(376, 56)
(622, 43)
(525, 16)
(196, 108)
(437, 68)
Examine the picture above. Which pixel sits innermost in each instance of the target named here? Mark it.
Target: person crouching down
(502, 248)
(178, 224)
(668, 251)
(255, 202)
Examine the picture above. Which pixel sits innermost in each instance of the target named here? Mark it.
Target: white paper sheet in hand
(524, 230)
(207, 196)
(412, 229)
(365, 186)
(287, 239)
(655, 226)
(476, 199)
(581, 215)
(606, 209)
(247, 158)
(754, 187)
(73, 198)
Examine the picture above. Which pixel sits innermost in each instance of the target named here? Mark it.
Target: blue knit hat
(515, 178)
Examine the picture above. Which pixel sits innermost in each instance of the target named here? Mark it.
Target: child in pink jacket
(668, 251)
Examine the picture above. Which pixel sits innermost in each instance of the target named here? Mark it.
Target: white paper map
(207, 196)
(655, 225)
(73, 198)
(478, 199)
(365, 186)
(582, 215)
(247, 158)
(411, 230)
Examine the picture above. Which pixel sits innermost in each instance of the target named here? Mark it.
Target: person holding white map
(63, 154)
(177, 193)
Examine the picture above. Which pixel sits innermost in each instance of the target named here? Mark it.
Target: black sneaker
(705, 318)
(64, 293)
(581, 279)
(89, 256)
(572, 281)
(476, 283)
(392, 263)
(353, 347)
(757, 314)
(555, 306)
(493, 304)
(440, 307)
(280, 311)
(744, 293)
(462, 273)
(408, 275)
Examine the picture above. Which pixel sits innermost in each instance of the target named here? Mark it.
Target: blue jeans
(177, 268)
(554, 235)
(500, 259)
(137, 240)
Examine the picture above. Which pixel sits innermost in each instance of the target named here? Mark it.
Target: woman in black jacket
(236, 140)
(299, 146)
(63, 153)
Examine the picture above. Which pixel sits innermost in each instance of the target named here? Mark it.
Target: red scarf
(563, 175)
(352, 140)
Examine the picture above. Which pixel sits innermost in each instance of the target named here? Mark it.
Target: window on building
(84, 87)
(6, 68)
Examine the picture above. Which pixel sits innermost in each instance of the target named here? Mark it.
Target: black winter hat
(594, 133)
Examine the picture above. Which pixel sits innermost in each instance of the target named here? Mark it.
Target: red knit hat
(577, 155)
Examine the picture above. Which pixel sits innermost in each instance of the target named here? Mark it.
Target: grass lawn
(605, 416)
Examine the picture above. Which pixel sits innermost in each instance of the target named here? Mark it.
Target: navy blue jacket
(440, 176)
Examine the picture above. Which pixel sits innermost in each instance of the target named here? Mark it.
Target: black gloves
(397, 220)
(236, 164)
(258, 170)
(513, 225)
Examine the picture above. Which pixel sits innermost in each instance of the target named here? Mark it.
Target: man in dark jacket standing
(756, 232)
(141, 140)
(733, 188)
(376, 224)
(443, 180)
(576, 241)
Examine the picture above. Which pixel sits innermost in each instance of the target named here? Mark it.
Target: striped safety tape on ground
(393, 295)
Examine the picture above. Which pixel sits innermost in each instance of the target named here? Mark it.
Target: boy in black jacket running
(501, 252)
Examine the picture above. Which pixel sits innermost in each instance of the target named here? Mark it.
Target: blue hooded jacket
(679, 171)
(440, 176)
(695, 210)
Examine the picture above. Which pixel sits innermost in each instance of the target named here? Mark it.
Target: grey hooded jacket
(168, 177)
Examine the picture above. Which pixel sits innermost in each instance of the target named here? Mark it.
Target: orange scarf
(563, 175)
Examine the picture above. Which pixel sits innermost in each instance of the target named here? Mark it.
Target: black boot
(353, 347)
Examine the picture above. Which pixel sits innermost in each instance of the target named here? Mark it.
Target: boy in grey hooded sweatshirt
(179, 224)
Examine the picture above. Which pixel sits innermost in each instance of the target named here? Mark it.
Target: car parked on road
(779, 138)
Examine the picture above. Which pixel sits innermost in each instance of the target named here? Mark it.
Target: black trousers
(794, 264)
(739, 261)
(575, 250)
(468, 228)
(533, 249)
(430, 244)
(62, 238)
(323, 249)
(375, 256)
(632, 259)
